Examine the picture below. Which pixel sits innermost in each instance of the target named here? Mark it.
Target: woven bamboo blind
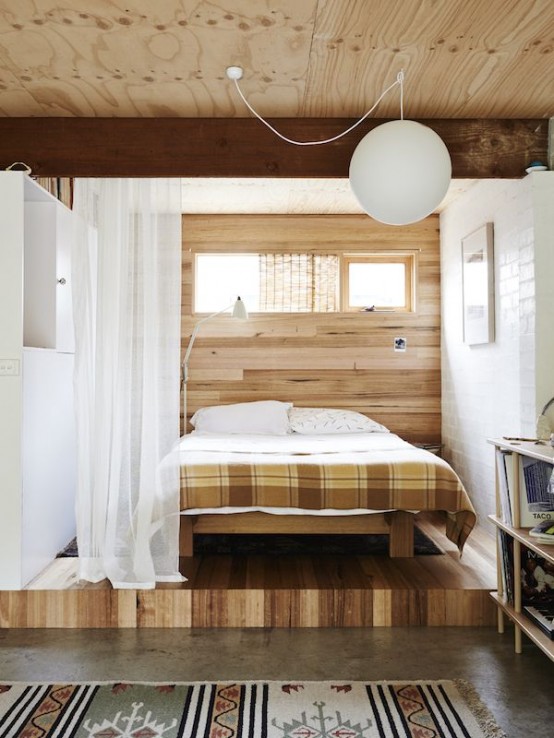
(299, 283)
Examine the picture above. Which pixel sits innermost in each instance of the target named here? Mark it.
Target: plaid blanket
(411, 479)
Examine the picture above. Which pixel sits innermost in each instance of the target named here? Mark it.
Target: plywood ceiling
(306, 58)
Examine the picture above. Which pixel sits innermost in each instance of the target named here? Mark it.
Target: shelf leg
(517, 591)
(517, 639)
(500, 621)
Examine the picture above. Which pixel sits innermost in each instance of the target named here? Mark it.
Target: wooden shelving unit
(526, 626)
(520, 536)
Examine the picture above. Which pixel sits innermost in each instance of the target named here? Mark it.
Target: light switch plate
(9, 367)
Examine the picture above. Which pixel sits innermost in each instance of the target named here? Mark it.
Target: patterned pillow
(318, 420)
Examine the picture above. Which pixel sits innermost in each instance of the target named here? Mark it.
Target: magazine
(537, 578)
(543, 532)
(536, 490)
(543, 616)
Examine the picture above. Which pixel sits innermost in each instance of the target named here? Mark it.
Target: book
(536, 489)
(60, 187)
(543, 532)
(503, 487)
(543, 616)
(507, 569)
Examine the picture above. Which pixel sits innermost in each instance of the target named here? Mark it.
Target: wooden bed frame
(397, 524)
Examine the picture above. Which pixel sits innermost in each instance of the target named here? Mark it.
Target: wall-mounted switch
(9, 367)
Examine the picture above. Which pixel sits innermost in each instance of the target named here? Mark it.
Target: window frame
(408, 258)
(383, 256)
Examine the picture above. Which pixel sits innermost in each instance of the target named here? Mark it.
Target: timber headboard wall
(343, 360)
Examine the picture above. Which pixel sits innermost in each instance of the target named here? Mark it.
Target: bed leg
(401, 538)
(186, 536)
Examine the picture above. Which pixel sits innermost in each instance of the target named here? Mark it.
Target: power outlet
(9, 367)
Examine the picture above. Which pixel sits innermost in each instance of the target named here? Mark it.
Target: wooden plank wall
(331, 360)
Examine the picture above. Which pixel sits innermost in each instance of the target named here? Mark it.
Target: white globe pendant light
(400, 172)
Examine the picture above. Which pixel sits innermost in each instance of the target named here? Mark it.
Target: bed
(353, 481)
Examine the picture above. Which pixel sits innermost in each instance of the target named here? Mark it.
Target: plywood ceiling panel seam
(303, 58)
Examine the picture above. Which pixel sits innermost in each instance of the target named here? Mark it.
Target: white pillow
(319, 420)
(266, 416)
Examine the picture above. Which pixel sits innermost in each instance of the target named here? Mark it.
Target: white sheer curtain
(127, 293)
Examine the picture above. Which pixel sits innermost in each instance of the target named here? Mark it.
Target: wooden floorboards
(282, 592)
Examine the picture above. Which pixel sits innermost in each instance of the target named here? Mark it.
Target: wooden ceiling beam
(235, 147)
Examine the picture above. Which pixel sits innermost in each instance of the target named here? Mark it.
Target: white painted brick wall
(499, 388)
(486, 389)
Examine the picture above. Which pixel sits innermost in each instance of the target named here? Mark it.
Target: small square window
(379, 282)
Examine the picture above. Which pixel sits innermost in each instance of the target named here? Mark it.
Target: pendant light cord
(398, 81)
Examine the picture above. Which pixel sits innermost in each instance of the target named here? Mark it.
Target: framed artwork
(478, 285)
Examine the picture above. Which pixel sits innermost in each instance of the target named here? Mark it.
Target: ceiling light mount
(400, 171)
(234, 72)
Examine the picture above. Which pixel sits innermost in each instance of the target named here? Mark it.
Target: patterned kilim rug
(437, 709)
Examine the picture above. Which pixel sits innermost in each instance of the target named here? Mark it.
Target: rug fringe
(481, 712)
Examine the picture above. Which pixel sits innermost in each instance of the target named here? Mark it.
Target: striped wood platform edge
(244, 608)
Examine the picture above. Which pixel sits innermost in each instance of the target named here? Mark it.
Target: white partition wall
(48, 458)
(37, 435)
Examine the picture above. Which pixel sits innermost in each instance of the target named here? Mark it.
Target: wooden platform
(285, 592)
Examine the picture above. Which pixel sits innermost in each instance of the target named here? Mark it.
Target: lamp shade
(239, 310)
(400, 172)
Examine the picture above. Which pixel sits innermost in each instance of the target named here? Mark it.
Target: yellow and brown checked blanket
(339, 474)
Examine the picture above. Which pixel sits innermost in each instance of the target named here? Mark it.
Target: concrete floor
(519, 690)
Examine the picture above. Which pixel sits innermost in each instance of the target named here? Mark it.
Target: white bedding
(345, 448)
